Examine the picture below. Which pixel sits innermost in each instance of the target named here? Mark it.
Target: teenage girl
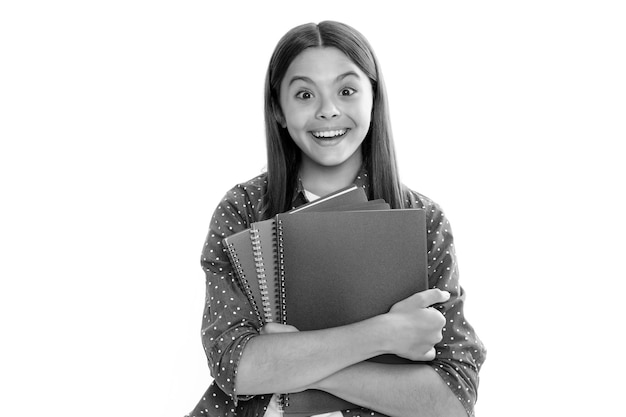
(327, 127)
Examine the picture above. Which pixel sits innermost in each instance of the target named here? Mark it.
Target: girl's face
(326, 102)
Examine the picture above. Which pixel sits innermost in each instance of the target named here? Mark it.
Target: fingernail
(446, 294)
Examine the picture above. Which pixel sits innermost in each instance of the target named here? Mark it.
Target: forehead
(321, 64)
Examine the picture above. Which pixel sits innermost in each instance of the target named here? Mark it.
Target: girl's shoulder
(252, 189)
(418, 200)
(244, 199)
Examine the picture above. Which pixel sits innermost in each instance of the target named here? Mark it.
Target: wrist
(379, 335)
(378, 340)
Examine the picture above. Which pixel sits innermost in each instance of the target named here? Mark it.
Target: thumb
(432, 296)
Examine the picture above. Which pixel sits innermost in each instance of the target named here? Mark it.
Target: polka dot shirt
(229, 321)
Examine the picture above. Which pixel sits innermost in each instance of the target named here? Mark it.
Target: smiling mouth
(330, 134)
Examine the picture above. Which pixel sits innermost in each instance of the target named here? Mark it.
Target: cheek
(297, 135)
(293, 133)
(367, 110)
(366, 117)
(294, 119)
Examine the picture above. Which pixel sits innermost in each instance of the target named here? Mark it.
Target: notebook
(252, 251)
(336, 268)
(240, 251)
(348, 195)
(333, 257)
(263, 237)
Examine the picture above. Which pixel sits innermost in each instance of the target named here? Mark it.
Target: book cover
(344, 263)
(341, 267)
(241, 255)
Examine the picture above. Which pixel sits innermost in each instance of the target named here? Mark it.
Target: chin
(331, 162)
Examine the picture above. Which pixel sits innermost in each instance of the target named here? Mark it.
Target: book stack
(335, 261)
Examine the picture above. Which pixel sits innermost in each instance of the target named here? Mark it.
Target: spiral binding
(275, 277)
(260, 270)
(283, 401)
(281, 270)
(241, 277)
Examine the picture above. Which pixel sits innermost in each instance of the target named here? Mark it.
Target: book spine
(281, 271)
(241, 277)
(261, 277)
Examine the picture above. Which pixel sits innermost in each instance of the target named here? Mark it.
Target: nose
(328, 109)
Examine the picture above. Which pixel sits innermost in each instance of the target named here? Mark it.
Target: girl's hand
(416, 326)
(274, 328)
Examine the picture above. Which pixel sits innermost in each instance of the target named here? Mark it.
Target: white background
(122, 123)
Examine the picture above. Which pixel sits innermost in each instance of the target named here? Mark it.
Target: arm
(394, 390)
(293, 361)
(244, 363)
(228, 321)
(290, 362)
(461, 353)
(445, 386)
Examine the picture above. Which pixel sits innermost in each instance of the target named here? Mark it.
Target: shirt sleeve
(460, 354)
(229, 320)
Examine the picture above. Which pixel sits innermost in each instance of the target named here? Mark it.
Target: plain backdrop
(123, 123)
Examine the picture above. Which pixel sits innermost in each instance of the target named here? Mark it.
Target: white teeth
(329, 133)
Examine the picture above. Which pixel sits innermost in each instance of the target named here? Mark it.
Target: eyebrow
(310, 81)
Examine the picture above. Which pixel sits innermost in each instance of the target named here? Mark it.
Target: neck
(322, 180)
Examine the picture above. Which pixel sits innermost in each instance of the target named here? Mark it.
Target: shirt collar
(361, 180)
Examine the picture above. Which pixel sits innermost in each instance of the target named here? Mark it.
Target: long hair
(283, 155)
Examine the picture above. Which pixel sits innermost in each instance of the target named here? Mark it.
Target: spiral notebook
(253, 256)
(337, 268)
(241, 253)
(331, 260)
(265, 252)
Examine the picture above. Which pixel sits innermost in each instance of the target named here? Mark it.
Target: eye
(304, 95)
(347, 91)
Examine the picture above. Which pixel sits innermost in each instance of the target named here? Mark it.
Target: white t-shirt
(310, 196)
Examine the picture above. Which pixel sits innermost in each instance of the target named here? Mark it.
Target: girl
(327, 127)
